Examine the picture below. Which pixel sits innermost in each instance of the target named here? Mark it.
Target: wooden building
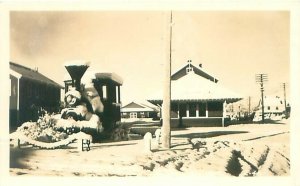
(274, 109)
(139, 110)
(30, 91)
(196, 98)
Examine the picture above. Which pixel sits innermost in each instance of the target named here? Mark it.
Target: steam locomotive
(101, 96)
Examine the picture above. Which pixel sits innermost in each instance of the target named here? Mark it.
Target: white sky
(232, 45)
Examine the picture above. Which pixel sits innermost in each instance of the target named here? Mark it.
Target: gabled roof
(135, 106)
(193, 87)
(273, 101)
(31, 74)
(197, 69)
(273, 104)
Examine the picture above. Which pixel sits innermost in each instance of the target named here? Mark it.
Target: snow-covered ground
(237, 150)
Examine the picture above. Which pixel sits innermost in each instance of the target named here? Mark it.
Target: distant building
(139, 110)
(274, 109)
(29, 92)
(274, 105)
(196, 98)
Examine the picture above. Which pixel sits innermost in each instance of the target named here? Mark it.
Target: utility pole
(261, 78)
(284, 94)
(249, 105)
(166, 126)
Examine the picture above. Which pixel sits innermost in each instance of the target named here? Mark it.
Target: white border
(211, 5)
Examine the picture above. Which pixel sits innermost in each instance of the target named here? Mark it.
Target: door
(133, 115)
(13, 104)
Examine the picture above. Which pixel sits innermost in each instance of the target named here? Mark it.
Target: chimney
(200, 65)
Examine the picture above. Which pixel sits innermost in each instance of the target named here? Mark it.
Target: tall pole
(249, 105)
(284, 94)
(166, 126)
(261, 78)
(262, 102)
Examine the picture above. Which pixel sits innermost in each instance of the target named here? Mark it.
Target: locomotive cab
(108, 88)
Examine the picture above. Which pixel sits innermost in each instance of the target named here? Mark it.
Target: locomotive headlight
(68, 99)
(73, 101)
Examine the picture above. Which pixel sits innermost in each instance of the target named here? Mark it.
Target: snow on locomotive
(92, 102)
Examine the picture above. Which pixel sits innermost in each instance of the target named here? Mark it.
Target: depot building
(197, 99)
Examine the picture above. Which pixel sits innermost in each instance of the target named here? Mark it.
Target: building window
(133, 115)
(192, 109)
(269, 107)
(29, 89)
(174, 107)
(215, 106)
(174, 110)
(104, 90)
(14, 90)
(142, 114)
(117, 95)
(202, 109)
(215, 109)
(182, 110)
(189, 69)
(276, 108)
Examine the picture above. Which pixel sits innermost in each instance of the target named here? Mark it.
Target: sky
(231, 45)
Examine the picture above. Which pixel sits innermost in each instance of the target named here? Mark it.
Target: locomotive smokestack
(76, 72)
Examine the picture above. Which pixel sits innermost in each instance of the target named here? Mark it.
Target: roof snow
(195, 87)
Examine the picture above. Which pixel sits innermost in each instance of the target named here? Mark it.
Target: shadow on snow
(99, 145)
(17, 157)
(208, 134)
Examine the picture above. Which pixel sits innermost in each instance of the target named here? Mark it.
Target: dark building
(30, 92)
